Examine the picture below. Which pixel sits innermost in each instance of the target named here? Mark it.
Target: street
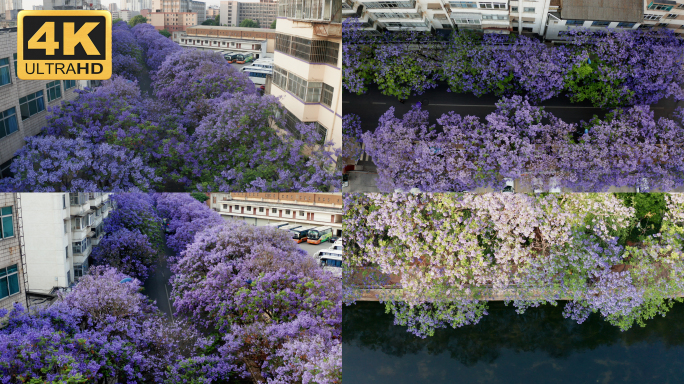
(371, 105)
(313, 248)
(157, 285)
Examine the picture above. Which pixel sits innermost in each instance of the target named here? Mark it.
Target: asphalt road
(312, 248)
(157, 285)
(371, 105)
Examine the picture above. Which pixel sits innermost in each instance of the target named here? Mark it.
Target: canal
(540, 346)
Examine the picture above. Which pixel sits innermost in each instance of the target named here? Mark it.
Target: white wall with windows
(60, 230)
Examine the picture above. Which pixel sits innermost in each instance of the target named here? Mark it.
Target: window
(9, 281)
(5, 74)
(301, 213)
(80, 247)
(261, 209)
(54, 92)
(600, 23)
(237, 207)
(5, 169)
(63, 201)
(6, 223)
(78, 271)
(65, 229)
(31, 104)
(649, 16)
(8, 122)
(274, 210)
(327, 95)
(574, 22)
(463, 4)
(225, 206)
(313, 51)
(77, 198)
(494, 17)
(463, 19)
(660, 7)
(68, 84)
(626, 25)
(69, 277)
(528, 9)
(514, 9)
(680, 6)
(15, 66)
(249, 209)
(672, 16)
(493, 5)
(287, 211)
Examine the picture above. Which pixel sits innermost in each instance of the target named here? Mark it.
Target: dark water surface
(539, 346)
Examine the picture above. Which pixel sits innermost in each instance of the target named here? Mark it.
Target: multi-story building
(263, 208)
(213, 11)
(23, 103)
(37, 8)
(115, 15)
(113, 7)
(307, 72)
(10, 5)
(174, 15)
(126, 14)
(234, 12)
(12, 274)
(664, 14)
(60, 230)
(234, 39)
(568, 14)
(135, 5)
(71, 4)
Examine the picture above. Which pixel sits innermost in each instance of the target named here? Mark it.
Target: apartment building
(71, 4)
(23, 103)
(113, 7)
(616, 14)
(263, 208)
(213, 11)
(126, 15)
(60, 230)
(12, 274)
(307, 72)
(233, 39)
(10, 5)
(134, 5)
(175, 15)
(232, 13)
(664, 14)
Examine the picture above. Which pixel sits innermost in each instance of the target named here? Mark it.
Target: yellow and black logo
(64, 45)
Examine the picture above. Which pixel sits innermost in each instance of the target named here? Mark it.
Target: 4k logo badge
(64, 45)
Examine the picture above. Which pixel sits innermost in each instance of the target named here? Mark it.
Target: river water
(539, 346)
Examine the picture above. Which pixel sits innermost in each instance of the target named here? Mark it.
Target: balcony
(311, 11)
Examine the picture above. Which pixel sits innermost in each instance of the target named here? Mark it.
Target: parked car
(166, 225)
(334, 239)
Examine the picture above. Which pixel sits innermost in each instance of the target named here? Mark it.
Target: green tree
(249, 23)
(273, 24)
(137, 19)
(165, 33)
(199, 196)
(116, 20)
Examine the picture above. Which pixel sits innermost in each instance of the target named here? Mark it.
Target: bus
(230, 56)
(331, 260)
(289, 227)
(243, 58)
(318, 235)
(277, 225)
(299, 234)
(257, 75)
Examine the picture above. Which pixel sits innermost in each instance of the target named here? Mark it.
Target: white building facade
(307, 72)
(311, 209)
(60, 230)
(12, 287)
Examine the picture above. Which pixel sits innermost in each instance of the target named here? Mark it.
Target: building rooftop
(603, 10)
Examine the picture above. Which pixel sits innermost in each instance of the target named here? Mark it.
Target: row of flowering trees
(609, 67)
(205, 128)
(628, 148)
(250, 306)
(451, 252)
